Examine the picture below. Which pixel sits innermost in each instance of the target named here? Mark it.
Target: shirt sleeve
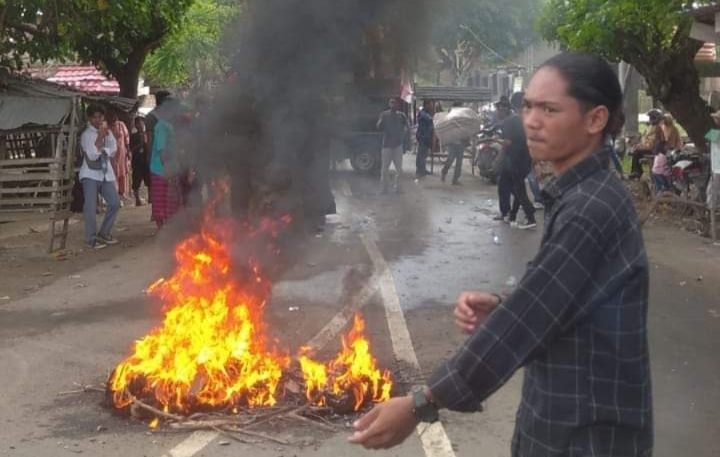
(87, 142)
(110, 146)
(544, 304)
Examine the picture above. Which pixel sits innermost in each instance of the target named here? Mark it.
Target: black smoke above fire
(296, 61)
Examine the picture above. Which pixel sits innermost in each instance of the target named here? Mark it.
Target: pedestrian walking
(503, 111)
(394, 126)
(97, 177)
(424, 137)
(456, 152)
(140, 161)
(577, 321)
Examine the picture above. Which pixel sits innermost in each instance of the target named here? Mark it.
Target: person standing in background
(394, 126)
(424, 136)
(151, 119)
(121, 160)
(502, 112)
(97, 177)
(140, 161)
(517, 166)
(164, 166)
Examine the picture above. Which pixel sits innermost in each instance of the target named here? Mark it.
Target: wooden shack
(38, 136)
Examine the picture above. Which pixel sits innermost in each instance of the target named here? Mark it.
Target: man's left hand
(386, 425)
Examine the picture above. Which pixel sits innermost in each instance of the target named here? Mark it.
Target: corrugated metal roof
(452, 94)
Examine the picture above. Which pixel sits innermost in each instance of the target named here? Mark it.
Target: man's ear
(597, 119)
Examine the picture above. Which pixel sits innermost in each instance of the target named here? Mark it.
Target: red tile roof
(85, 78)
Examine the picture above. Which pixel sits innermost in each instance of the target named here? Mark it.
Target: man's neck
(565, 164)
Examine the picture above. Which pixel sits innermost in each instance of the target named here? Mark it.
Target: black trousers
(512, 195)
(140, 174)
(421, 159)
(636, 167)
(505, 192)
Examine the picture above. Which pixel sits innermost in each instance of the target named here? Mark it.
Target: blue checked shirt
(577, 323)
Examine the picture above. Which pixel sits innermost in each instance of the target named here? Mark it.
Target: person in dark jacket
(424, 136)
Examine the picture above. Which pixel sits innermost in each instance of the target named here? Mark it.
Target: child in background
(661, 172)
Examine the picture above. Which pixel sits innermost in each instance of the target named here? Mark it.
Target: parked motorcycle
(690, 172)
(489, 154)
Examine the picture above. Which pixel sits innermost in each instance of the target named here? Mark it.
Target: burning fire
(352, 372)
(212, 352)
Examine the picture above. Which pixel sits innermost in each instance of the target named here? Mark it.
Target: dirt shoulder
(25, 265)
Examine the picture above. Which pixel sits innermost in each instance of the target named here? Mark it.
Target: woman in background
(673, 141)
(121, 161)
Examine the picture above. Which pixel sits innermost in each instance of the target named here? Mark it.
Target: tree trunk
(673, 79)
(128, 75)
(630, 104)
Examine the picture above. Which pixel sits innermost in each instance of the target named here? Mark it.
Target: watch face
(424, 410)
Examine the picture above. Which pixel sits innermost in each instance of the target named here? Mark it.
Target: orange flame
(354, 370)
(211, 351)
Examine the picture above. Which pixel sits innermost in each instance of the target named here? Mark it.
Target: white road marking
(341, 319)
(192, 444)
(435, 441)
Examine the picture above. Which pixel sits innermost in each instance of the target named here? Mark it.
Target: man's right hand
(473, 308)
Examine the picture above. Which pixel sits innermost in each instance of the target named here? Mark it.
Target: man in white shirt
(96, 175)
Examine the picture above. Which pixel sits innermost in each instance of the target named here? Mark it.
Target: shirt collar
(91, 127)
(597, 161)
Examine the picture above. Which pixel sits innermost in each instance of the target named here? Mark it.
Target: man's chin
(539, 153)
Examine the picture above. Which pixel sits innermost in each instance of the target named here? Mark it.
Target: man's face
(556, 125)
(503, 112)
(97, 120)
(393, 104)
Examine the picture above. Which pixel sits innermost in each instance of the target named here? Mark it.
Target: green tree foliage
(192, 55)
(651, 35)
(27, 29)
(116, 36)
(465, 32)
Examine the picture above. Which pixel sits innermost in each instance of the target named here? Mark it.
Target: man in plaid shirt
(578, 319)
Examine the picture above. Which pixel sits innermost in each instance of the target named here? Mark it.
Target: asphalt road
(435, 240)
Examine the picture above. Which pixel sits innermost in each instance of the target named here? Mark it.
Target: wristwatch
(424, 410)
